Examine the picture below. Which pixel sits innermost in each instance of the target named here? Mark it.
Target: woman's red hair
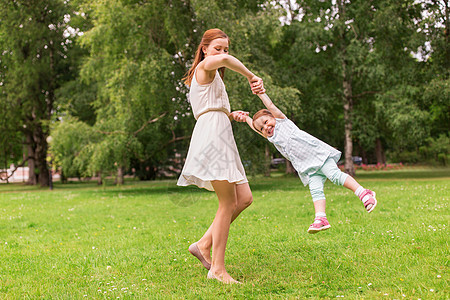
(207, 38)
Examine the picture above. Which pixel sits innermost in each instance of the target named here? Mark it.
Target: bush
(436, 151)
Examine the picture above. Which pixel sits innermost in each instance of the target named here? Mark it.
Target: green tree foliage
(132, 74)
(34, 51)
(352, 62)
(364, 76)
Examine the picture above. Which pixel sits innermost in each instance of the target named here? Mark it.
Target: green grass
(83, 241)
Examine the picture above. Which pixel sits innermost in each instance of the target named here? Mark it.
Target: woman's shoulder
(209, 76)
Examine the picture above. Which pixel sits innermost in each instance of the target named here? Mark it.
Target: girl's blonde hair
(207, 38)
(260, 113)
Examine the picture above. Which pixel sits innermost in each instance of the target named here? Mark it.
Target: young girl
(314, 160)
(213, 160)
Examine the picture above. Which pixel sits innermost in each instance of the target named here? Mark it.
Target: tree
(34, 58)
(133, 74)
(352, 54)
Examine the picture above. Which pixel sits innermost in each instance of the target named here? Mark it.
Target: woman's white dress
(212, 153)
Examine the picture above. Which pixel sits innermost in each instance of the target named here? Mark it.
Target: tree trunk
(120, 176)
(381, 158)
(99, 178)
(348, 110)
(267, 161)
(32, 177)
(40, 156)
(347, 97)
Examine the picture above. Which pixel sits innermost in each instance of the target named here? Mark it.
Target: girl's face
(265, 124)
(217, 46)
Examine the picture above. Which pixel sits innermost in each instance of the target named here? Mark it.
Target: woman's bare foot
(203, 256)
(223, 277)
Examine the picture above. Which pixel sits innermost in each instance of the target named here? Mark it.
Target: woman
(213, 160)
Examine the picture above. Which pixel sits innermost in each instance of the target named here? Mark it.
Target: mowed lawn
(84, 241)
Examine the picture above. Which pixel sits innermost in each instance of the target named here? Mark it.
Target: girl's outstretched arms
(271, 107)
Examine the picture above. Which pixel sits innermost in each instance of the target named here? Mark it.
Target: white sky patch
(66, 18)
(423, 53)
(348, 22)
(289, 6)
(71, 32)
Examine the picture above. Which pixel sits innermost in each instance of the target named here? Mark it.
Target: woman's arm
(271, 107)
(211, 63)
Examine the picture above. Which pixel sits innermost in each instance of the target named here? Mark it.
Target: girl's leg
(331, 170)
(244, 199)
(226, 192)
(316, 182)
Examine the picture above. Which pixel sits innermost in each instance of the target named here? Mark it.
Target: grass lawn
(84, 241)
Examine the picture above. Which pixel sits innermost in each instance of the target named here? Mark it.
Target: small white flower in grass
(403, 295)
(134, 227)
(6, 243)
(369, 284)
(439, 276)
(107, 268)
(386, 294)
(431, 290)
(93, 247)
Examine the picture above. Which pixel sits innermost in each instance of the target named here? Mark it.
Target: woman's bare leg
(244, 199)
(226, 192)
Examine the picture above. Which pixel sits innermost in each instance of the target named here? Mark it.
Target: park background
(94, 89)
(91, 92)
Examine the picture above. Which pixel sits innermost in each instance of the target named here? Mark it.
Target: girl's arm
(211, 63)
(242, 116)
(271, 107)
(250, 123)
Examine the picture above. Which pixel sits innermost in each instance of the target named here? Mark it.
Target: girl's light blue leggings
(329, 170)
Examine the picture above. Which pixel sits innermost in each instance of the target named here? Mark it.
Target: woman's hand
(257, 85)
(239, 115)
